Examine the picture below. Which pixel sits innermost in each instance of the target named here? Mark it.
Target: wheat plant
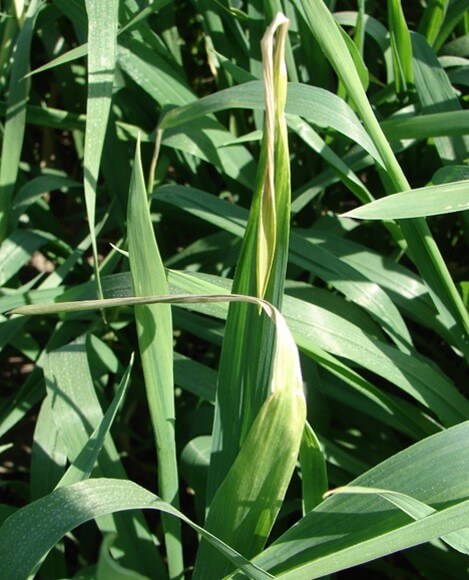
(234, 321)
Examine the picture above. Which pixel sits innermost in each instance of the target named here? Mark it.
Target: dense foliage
(155, 149)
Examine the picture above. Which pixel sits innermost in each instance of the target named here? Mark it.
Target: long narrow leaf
(155, 338)
(32, 531)
(312, 256)
(422, 202)
(321, 107)
(449, 521)
(16, 116)
(401, 47)
(102, 30)
(315, 330)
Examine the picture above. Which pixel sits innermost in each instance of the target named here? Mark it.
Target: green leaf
(448, 521)
(453, 123)
(414, 508)
(316, 331)
(77, 413)
(155, 339)
(16, 116)
(320, 107)
(313, 470)
(315, 327)
(195, 458)
(422, 202)
(401, 47)
(36, 187)
(84, 462)
(194, 377)
(32, 531)
(69, 56)
(109, 569)
(208, 140)
(314, 255)
(16, 250)
(346, 531)
(102, 31)
(78, 16)
(457, 9)
(30, 393)
(404, 287)
(375, 29)
(437, 96)
(422, 248)
(319, 146)
(48, 456)
(433, 18)
(357, 59)
(48, 460)
(165, 85)
(75, 11)
(153, 73)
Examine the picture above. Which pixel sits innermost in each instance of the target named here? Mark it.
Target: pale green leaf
(346, 531)
(422, 202)
(245, 506)
(245, 366)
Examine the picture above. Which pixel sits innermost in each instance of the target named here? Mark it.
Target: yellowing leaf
(275, 85)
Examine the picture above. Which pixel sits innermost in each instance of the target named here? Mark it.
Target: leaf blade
(155, 338)
(421, 202)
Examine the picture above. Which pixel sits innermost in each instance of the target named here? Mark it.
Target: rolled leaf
(246, 366)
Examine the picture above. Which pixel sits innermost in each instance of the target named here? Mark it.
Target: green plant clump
(234, 322)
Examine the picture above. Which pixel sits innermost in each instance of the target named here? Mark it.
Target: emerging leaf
(275, 85)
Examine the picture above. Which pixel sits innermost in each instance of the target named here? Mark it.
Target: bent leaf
(413, 507)
(246, 504)
(345, 531)
(33, 530)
